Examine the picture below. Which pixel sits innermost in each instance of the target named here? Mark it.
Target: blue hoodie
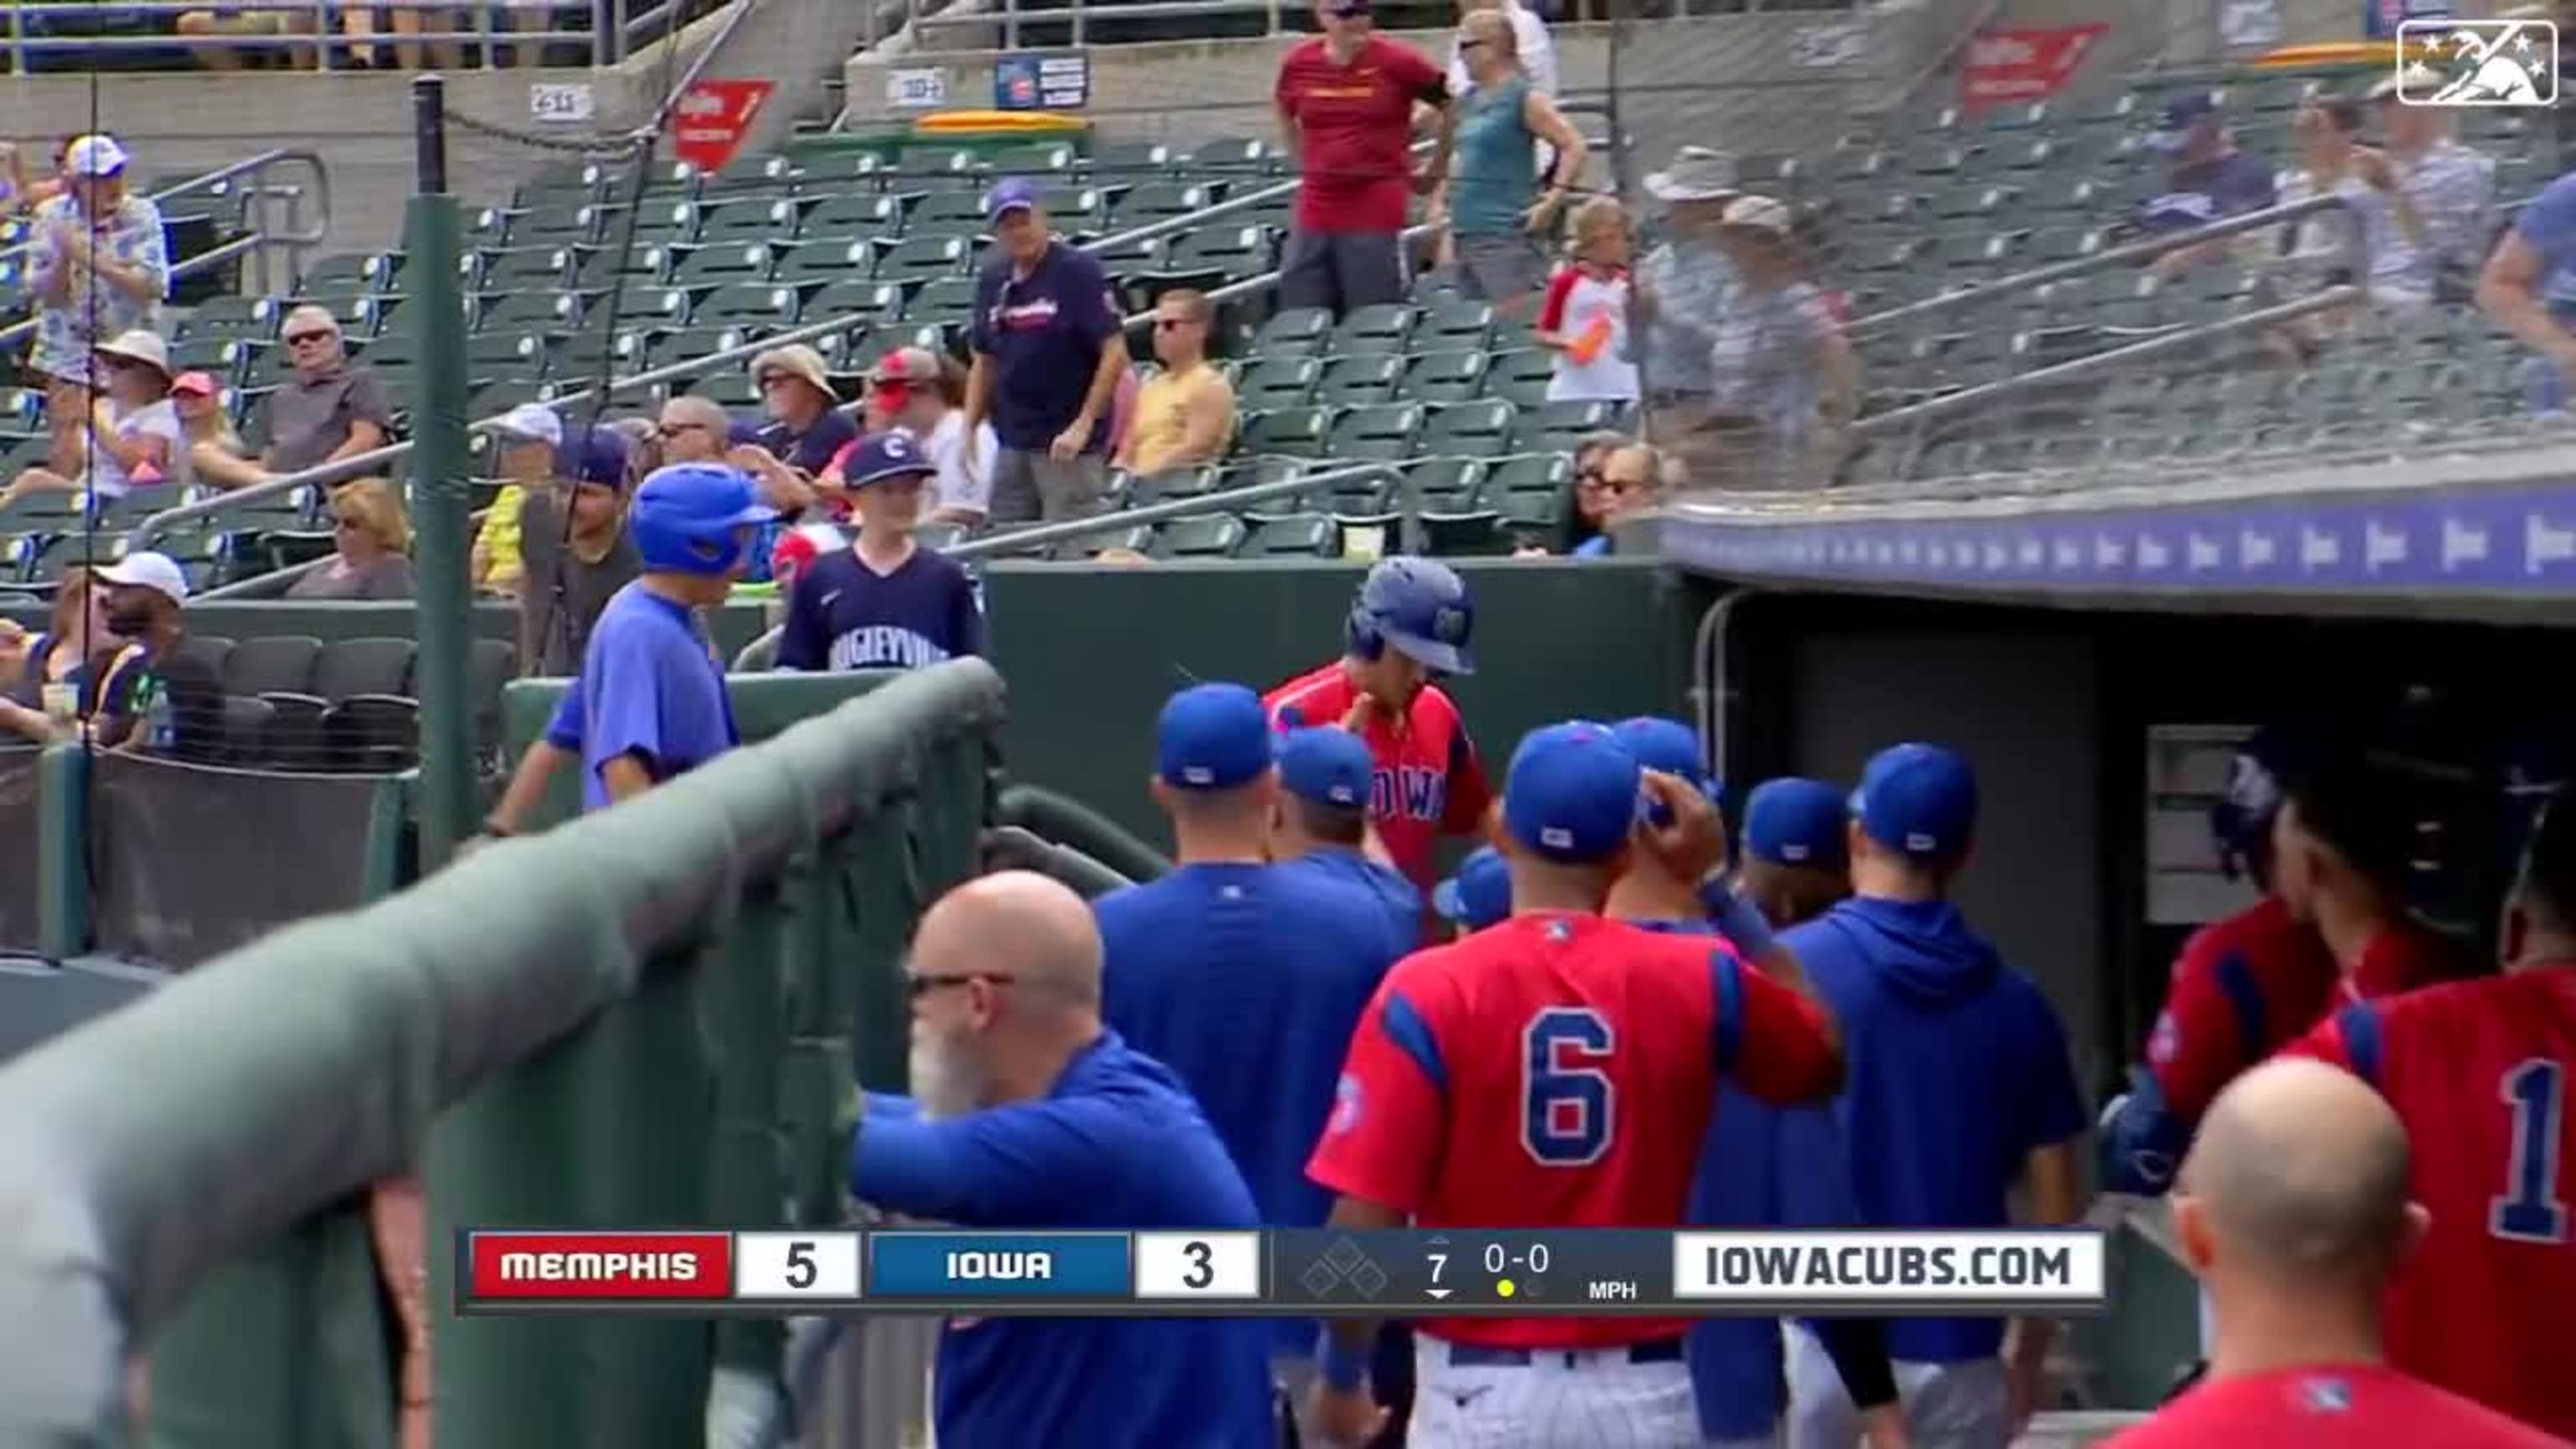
(1958, 1071)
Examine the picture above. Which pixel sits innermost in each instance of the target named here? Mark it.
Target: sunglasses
(919, 986)
(1471, 44)
(299, 339)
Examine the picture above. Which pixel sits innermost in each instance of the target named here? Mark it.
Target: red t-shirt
(1427, 781)
(2479, 1073)
(1355, 131)
(2241, 988)
(2402, 957)
(1558, 1071)
(2327, 1406)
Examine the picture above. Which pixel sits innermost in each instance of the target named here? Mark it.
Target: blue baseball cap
(1571, 793)
(1669, 747)
(1010, 194)
(890, 454)
(1328, 765)
(1213, 737)
(1794, 821)
(1479, 894)
(2181, 114)
(592, 454)
(1918, 800)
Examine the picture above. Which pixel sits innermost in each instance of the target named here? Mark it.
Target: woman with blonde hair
(54, 677)
(1491, 211)
(369, 535)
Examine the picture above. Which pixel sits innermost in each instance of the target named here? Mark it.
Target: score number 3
(2529, 1210)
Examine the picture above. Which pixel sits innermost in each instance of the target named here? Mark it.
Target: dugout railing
(644, 1016)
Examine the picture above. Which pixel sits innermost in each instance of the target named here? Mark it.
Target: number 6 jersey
(2479, 1071)
(1557, 1071)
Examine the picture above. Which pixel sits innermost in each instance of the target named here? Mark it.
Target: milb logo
(1408, 792)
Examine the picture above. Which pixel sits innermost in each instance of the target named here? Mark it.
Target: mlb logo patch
(2165, 1042)
(2326, 1396)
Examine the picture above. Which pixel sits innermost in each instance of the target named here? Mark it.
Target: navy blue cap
(1213, 737)
(592, 455)
(1571, 793)
(1794, 821)
(2180, 115)
(1918, 800)
(1328, 765)
(1669, 747)
(1010, 194)
(890, 454)
(1479, 894)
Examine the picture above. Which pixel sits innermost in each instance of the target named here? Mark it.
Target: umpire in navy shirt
(1048, 352)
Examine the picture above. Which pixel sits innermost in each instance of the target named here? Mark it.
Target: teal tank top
(1493, 172)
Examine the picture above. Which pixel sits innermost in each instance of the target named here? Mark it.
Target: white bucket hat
(1757, 213)
(1697, 173)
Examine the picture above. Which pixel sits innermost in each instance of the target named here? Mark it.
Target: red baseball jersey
(1558, 1071)
(2327, 1406)
(2479, 1072)
(2402, 957)
(2241, 989)
(1427, 781)
(1355, 130)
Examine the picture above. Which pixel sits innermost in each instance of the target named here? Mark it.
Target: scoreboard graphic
(1287, 1273)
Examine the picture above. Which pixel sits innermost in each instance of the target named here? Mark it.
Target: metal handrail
(2259, 320)
(1209, 212)
(2144, 249)
(246, 167)
(756, 655)
(206, 260)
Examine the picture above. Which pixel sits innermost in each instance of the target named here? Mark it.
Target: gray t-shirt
(388, 576)
(561, 594)
(308, 420)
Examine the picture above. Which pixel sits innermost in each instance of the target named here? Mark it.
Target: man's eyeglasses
(299, 339)
(1627, 485)
(920, 985)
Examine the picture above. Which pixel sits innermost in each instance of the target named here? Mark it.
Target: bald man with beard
(2292, 1209)
(1031, 1114)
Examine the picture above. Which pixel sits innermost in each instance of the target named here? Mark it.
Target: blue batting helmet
(695, 518)
(2241, 822)
(1418, 608)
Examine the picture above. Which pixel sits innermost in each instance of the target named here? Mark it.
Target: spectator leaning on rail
(1681, 290)
(1185, 411)
(133, 438)
(924, 393)
(334, 407)
(1784, 383)
(1029, 1113)
(370, 540)
(1346, 102)
(101, 269)
(2210, 180)
(2529, 287)
(1049, 351)
(1494, 212)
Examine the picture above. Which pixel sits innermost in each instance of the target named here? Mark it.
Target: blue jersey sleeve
(2052, 1106)
(622, 690)
(1092, 301)
(564, 730)
(988, 292)
(2548, 224)
(804, 640)
(1003, 1166)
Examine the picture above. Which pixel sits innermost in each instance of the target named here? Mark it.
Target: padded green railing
(645, 1016)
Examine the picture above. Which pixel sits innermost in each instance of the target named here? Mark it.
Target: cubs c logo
(1346, 1105)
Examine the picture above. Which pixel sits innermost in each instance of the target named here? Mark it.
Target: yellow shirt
(499, 539)
(1163, 416)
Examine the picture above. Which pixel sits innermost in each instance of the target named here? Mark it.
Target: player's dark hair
(2354, 807)
(2548, 884)
(1331, 824)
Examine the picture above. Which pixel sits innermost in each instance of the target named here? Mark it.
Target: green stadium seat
(752, 219)
(1529, 472)
(1381, 328)
(1464, 533)
(1076, 209)
(840, 216)
(723, 266)
(1294, 432)
(1295, 535)
(943, 299)
(1161, 200)
(1453, 324)
(1480, 429)
(1357, 381)
(1208, 536)
(503, 357)
(1530, 510)
(950, 213)
(823, 260)
(1445, 377)
(1521, 377)
(229, 317)
(923, 257)
(1035, 159)
(556, 222)
(734, 390)
(1384, 432)
(1232, 154)
(685, 344)
(1170, 484)
(529, 312)
(1277, 382)
(1133, 538)
(1293, 332)
(873, 301)
(664, 223)
(560, 178)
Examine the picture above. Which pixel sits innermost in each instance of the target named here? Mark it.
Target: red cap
(197, 383)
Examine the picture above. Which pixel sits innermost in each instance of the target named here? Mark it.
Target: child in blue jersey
(650, 703)
(1320, 822)
(1246, 978)
(1960, 1085)
(1029, 1115)
(885, 602)
(1738, 1364)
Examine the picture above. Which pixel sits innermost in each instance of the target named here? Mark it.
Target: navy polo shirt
(1116, 1144)
(1044, 333)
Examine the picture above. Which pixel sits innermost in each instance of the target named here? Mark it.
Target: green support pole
(433, 241)
(62, 852)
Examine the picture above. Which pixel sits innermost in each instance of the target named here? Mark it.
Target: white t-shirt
(959, 486)
(1529, 38)
(1578, 303)
(107, 477)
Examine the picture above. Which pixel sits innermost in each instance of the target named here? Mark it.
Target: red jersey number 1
(1566, 1092)
(2529, 1209)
